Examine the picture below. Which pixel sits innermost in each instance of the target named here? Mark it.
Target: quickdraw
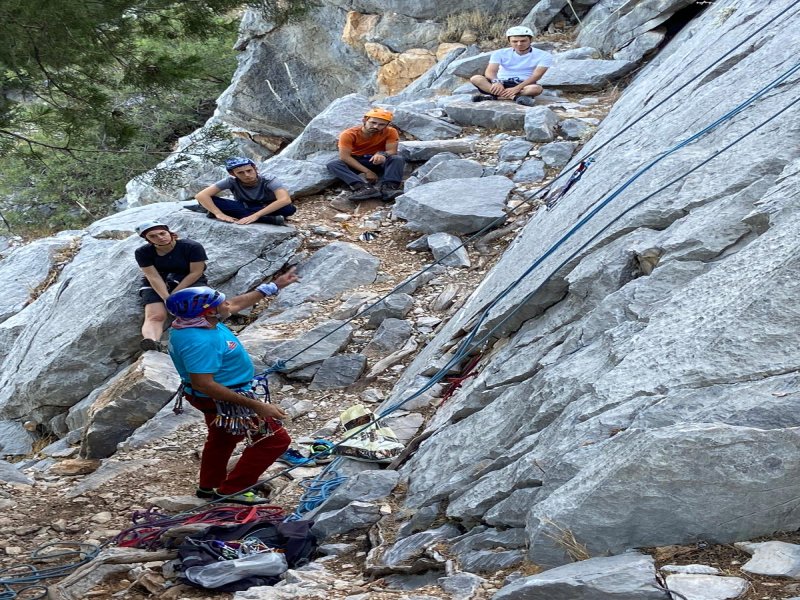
(573, 179)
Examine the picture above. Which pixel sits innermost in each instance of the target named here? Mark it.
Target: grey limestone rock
(339, 371)
(586, 75)
(776, 559)
(15, 440)
(395, 306)
(557, 154)
(461, 585)
(108, 471)
(301, 177)
(577, 53)
(355, 515)
(707, 587)
(641, 46)
(366, 486)
(532, 170)
(542, 13)
(448, 250)
(629, 576)
(391, 335)
(500, 115)
(540, 124)
(506, 169)
(516, 149)
(419, 151)
(452, 169)
(161, 426)
(405, 551)
(575, 129)
(10, 473)
(322, 342)
(429, 208)
(424, 127)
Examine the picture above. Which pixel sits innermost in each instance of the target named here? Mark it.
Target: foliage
(486, 28)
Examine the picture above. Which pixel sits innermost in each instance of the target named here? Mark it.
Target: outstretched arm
(248, 299)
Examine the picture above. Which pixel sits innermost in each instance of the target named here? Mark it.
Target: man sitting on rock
(513, 73)
(255, 198)
(370, 149)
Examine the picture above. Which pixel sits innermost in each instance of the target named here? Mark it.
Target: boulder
(27, 267)
(429, 208)
(448, 250)
(395, 306)
(404, 68)
(543, 13)
(707, 587)
(499, 115)
(420, 151)
(439, 78)
(366, 486)
(336, 268)
(390, 335)
(356, 515)
(575, 129)
(557, 154)
(9, 473)
(540, 124)
(461, 585)
(301, 177)
(15, 440)
(139, 394)
(629, 576)
(162, 426)
(532, 170)
(314, 347)
(460, 168)
(775, 559)
(585, 75)
(642, 46)
(516, 149)
(339, 372)
(424, 127)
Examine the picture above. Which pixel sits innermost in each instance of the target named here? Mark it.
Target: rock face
(654, 347)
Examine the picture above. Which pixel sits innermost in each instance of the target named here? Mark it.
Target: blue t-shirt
(261, 194)
(215, 351)
(519, 65)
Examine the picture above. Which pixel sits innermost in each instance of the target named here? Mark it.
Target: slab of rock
(506, 169)
(448, 250)
(499, 115)
(461, 585)
(23, 269)
(776, 559)
(356, 515)
(336, 268)
(629, 576)
(141, 392)
(691, 569)
(424, 127)
(353, 304)
(543, 13)
(339, 372)
(577, 53)
(9, 473)
(516, 149)
(478, 203)
(421, 520)
(300, 177)
(532, 170)
(405, 425)
(557, 154)
(453, 169)
(641, 46)
(585, 75)
(15, 440)
(325, 340)
(395, 306)
(419, 151)
(707, 587)
(540, 124)
(575, 129)
(391, 335)
(402, 555)
(108, 471)
(161, 426)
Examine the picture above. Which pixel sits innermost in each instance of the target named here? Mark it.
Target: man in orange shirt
(370, 150)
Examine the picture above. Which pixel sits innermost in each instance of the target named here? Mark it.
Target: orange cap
(379, 113)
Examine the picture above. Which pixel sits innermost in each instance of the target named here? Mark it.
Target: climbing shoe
(390, 191)
(206, 493)
(148, 344)
(244, 498)
(294, 459)
(321, 450)
(525, 100)
(272, 220)
(365, 192)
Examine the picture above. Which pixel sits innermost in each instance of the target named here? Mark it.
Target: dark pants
(219, 447)
(238, 210)
(389, 172)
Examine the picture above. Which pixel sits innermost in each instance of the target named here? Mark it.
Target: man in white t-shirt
(513, 73)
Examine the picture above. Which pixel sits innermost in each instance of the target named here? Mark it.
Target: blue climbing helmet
(234, 162)
(193, 301)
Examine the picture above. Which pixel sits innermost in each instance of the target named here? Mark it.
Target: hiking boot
(294, 459)
(206, 493)
(365, 192)
(483, 97)
(390, 191)
(147, 344)
(244, 498)
(525, 100)
(273, 219)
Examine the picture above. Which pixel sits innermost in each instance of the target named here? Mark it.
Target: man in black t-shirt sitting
(255, 198)
(168, 265)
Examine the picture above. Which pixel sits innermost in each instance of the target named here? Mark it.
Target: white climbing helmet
(143, 228)
(519, 30)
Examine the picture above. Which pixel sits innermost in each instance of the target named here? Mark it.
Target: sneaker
(525, 100)
(390, 191)
(365, 192)
(273, 219)
(244, 498)
(206, 493)
(483, 97)
(147, 344)
(294, 459)
(321, 450)
(198, 208)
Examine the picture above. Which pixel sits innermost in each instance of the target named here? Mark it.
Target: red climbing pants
(219, 447)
